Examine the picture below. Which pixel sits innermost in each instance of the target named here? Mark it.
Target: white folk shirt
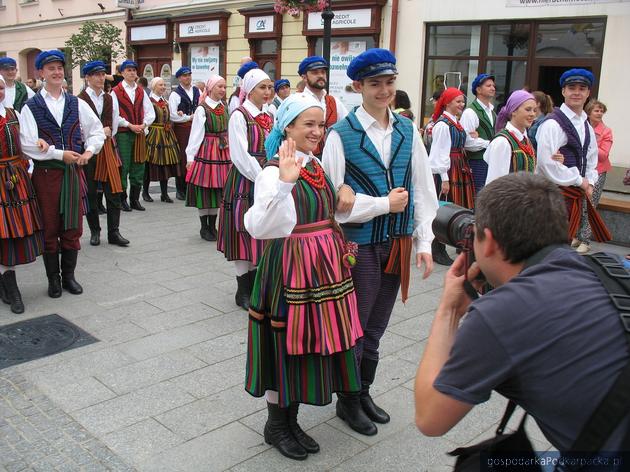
(498, 156)
(273, 214)
(470, 122)
(91, 128)
(174, 100)
(147, 106)
(98, 100)
(9, 95)
(342, 111)
(551, 138)
(198, 129)
(233, 104)
(440, 155)
(367, 207)
(246, 164)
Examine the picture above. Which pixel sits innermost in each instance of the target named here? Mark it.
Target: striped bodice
(458, 135)
(256, 135)
(523, 157)
(216, 119)
(9, 135)
(162, 115)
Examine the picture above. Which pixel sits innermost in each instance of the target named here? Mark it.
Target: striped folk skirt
(575, 199)
(303, 322)
(162, 153)
(479, 170)
(21, 224)
(233, 240)
(462, 187)
(208, 173)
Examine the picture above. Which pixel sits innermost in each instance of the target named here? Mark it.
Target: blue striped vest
(185, 105)
(66, 137)
(366, 174)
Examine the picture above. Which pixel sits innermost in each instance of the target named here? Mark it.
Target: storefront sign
(203, 28)
(147, 33)
(204, 61)
(130, 4)
(556, 3)
(343, 19)
(261, 24)
(341, 54)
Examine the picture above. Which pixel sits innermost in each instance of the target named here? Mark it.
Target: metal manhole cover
(39, 337)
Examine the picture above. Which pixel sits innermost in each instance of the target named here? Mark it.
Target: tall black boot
(124, 205)
(68, 264)
(242, 292)
(212, 224)
(164, 192)
(374, 412)
(204, 232)
(13, 292)
(440, 256)
(113, 234)
(349, 409)
(51, 262)
(145, 186)
(3, 293)
(99, 203)
(300, 436)
(180, 186)
(134, 197)
(95, 227)
(278, 434)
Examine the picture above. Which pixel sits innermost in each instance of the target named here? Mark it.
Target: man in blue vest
(74, 134)
(182, 104)
(386, 204)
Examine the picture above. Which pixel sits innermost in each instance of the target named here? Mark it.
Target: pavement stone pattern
(163, 388)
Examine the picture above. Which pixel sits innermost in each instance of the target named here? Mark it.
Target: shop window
(205, 60)
(508, 40)
(265, 53)
(147, 72)
(508, 76)
(570, 39)
(454, 40)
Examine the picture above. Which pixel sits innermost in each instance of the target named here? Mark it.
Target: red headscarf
(447, 97)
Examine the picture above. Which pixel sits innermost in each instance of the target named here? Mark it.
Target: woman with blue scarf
(303, 317)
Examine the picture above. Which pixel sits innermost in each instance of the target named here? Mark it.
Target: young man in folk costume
(182, 104)
(136, 115)
(568, 132)
(314, 72)
(16, 93)
(282, 87)
(103, 171)
(479, 122)
(74, 134)
(386, 205)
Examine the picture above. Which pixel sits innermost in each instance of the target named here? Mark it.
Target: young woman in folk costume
(162, 147)
(451, 172)
(208, 156)
(21, 226)
(248, 127)
(303, 322)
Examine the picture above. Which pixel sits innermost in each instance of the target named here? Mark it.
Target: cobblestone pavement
(163, 388)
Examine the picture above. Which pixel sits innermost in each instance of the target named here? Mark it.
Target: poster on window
(341, 53)
(204, 62)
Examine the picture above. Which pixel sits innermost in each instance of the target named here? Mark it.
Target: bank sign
(261, 24)
(204, 28)
(361, 18)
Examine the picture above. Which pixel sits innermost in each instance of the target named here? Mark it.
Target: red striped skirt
(574, 198)
(462, 186)
(212, 163)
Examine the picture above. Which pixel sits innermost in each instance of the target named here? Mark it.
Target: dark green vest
(485, 129)
(21, 96)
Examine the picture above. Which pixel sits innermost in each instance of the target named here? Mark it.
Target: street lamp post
(327, 17)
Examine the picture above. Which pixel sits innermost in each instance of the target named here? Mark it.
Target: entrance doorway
(546, 76)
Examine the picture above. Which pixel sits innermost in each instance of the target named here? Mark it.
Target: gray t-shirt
(550, 339)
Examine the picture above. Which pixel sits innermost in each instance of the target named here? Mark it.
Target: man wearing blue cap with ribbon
(282, 87)
(235, 100)
(15, 93)
(478, 121)
(386, 204)
(74, 134)
(136, 115)
(314, 71)
(567, 131)
(182, 104)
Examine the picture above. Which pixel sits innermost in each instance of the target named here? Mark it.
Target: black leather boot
(349, 409)
(95, 227)
(145, 193)
(307, 442)
(99, 203)
(68, 264)
(13, 292)
(164, 192)
(3, 292)
(124, 205)
(374, 412)
(212, 224)
(134, 197)
(440, 256)
(113, 234)
(242, 292)
(51, 262)
(204, 232)
(278, 434)
(180, 186)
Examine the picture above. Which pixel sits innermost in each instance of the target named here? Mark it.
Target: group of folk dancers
(322, 236)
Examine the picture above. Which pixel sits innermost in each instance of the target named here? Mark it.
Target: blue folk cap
(128, 64)
(479, 80)
(183, 71)
(372, 63)
(280, 83)
(46, 57)
(7, 62)
(94, 67)
(577, 76)
(312, 63)
(245, 68)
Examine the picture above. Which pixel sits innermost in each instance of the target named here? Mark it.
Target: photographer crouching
(547, 336)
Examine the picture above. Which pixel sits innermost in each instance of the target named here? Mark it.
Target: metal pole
(327, 16)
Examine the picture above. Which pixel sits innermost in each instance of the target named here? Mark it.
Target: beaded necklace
(317, 178)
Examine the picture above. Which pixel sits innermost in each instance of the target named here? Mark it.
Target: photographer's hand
(454, 297)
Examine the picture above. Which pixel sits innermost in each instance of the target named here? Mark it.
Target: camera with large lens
(453, 225)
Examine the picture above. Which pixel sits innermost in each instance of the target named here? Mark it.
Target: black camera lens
(451, 224)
